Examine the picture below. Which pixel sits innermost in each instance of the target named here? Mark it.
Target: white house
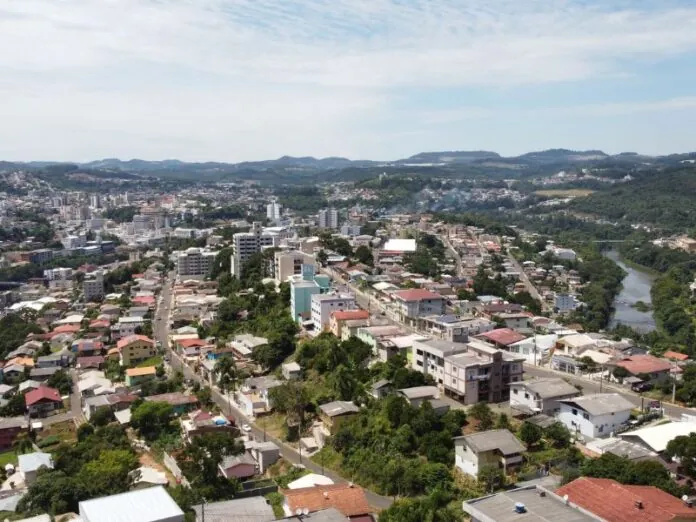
(418, 303)
(541, 395)
(324, 304)
(595, 416)
(496, 448)
(565, 303)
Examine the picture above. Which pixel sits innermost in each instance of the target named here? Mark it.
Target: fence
(172, 466)
(254, 488)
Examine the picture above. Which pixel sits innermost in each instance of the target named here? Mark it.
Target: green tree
(62, 381)
(491, 478)
(110, 473)
(227, 375)
(363, 254)
(684, 449)
(503, 422)
(558, 434)
(52, 492)
(322, 257)
(620, 373)
(102, 417)
(151, 419)
(530, 434)
(482, 413)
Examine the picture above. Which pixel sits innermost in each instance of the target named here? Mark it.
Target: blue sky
(235, 80)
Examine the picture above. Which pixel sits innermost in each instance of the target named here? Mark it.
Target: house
(92, 362)
(340, 317)
(646, 366)
(56, 360)
(13, 372)
(135, 376)
(541, 395)
(416, 303)
(502, 338)
(595, 415)
(147, 477)
(656, 438)
(43, 401)
(94, 382)
(420, 394)
(515, 321)
(496, 448)
(180, 402)
(264, 453)
(201, 422)
(86, 347)
(43, 374)
(616, 502)
(30, 463)
(135, 349)
(323, 305)
(254, 398)
(10, 429)
(127, 326)
(93, 404)
(252, 509)
(349, 499)
(28, 385)
(291, 371)
(334, 413)
(238, 466)
(530, 504)
(7, 390)
(142, 505)
(381, 389)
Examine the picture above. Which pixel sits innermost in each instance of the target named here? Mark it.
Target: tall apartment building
(246, 244)
(93, 286)
(195, 263)
(328, 218)
(273, 211)
(289, 263)
(95, 201)
(324, 304)
(471, 372)
(58, 274)
(142, 222)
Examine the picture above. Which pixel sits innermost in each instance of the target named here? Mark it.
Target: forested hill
(663, 199)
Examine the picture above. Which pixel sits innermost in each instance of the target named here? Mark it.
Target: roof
(400, 245)
(189, 343)
(500, 507)
(232, 461)
(420, 392)
(346, 498)
(601, 403)
(416, 294)
(131, 339)
(669, 354)
(382, 383)
(617, 502)
(93, 360)
(42, 393)
(325, 515)
(636, 364)
(174, 398)
(657, 437)
(501, 440)
(336, 408)
(347, 315)
(144, 505)
(138, 372)
(34, 461)
(504, 336)
(549, 387)
(252, 509)
(309, 481)
(13, 422)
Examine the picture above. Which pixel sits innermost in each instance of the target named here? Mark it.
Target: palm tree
(227, 376)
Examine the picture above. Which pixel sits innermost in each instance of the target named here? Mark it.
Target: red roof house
(616, 502)
(676, 356)
(503, 337)
(349, 499)
(637, 364)
(42, 401)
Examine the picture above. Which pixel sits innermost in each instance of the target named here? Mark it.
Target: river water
(636, 287)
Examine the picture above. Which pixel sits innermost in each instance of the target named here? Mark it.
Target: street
(161, 331)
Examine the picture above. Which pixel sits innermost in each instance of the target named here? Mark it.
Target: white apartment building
(95, 201)
(195, 263)
(328, 218)
(58, 274)
(324, 304)
(273, 211)
(74, 241)
(93, 286)
(565, 303)
(246, 244)
(350, 230)
(289, 263)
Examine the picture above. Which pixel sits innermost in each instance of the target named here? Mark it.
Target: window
(575, 412)
(526, 396)
(515, 391)
(586, 416)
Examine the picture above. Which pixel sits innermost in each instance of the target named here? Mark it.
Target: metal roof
(252, 509)
(502, 440)
(601, 403)
(548, 388)
(145, 505)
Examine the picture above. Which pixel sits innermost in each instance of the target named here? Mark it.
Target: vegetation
(429, 254)
(120, 214)
(14, 329)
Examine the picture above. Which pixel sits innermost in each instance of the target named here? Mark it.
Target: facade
(43, 401)
(135, 349)
(541, 395)
(93, 286)
(328, 218)
(273, 211)
(195, 263)
(595, 416)
(288, 264)
(246, 244)
(494, 448)
(323, 305)
(135, 376)
(428, 357)
(339, 320)
(334, 413)
(418, 303)
(10, 428)
(565, 303)
(350, 230)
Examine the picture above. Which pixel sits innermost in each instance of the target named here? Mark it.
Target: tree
(503, 422)
(200, 461)
(364, 255)
(227, 375)
(322, 257)
(102, 417)
(482, 413)
(620, 373)
(204, 396)
(53, 492)
(110, 473)
(491, 478)
(530, 434)
(684, 448)
(151, 419)
(62, 381)
(291, 398)
(558, 434)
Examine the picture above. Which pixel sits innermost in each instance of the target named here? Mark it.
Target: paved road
(590, 387)
(289, 453)
(455, 254)
(529, 285)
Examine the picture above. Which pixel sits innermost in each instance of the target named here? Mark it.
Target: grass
(564, 193)
(276, 501)
(152, 361)
(8, 457)
(61, 432)
(273, 423)
(328, 458)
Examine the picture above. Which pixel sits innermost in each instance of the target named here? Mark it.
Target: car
(246, 428)
(642, 387)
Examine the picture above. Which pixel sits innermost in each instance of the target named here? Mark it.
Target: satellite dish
(305, 511)
(298, 512)
(685, 497)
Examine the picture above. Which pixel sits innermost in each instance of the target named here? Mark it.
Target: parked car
(642, 387)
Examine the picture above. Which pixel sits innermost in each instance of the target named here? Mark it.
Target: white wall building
(273, 211)
(246, 244)
(324, 304)
(594, 416)
(328, 218)
(195, 263)
(58, 274)
(541, 395)
(565, 303)
(289, 263)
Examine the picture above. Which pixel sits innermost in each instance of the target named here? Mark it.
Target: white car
(246, 428)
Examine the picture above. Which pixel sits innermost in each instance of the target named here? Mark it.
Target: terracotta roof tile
(504, 336)
(132, 338)
(348, 315)
(636, 364)
(416, 294)
(348, 499)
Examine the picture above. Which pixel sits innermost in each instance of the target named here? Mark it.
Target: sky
(237, 80)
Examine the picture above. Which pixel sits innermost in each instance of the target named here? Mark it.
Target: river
(636, 287)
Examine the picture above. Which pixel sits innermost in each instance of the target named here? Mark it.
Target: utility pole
(674, 383)
(601, 377)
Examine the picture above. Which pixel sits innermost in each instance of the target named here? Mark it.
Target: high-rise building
(273, 211)
(328, 218)
(95, 201)
(246, 244)
(195, 263)
(93, 286)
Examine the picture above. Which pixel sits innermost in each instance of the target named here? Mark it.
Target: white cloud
(303, 76)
